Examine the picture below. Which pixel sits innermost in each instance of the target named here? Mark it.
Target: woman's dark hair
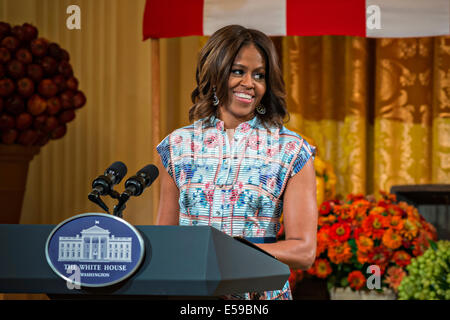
(214, 67)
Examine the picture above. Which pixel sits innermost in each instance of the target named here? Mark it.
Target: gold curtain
(112, 64)
(377, 109)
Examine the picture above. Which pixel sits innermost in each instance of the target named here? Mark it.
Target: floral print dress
(235, 185)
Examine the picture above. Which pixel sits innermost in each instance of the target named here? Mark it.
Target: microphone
(103, 185)
(135, 185)
(113, 175)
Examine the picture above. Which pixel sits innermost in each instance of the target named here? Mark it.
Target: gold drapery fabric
(112, 64)
(377, 109)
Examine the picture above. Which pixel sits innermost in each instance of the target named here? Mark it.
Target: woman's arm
(298, 250)
(169, 209)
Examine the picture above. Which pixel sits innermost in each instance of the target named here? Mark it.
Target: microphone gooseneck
(135, 185)
(103, 184)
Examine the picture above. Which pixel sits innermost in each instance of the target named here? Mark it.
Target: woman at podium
(236, 167)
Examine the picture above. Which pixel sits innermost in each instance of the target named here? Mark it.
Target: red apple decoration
(36, 105)
(72, 84)
(40, 121)
(35, 72)
(60, 82)
(24, 56)
(42, 138)
(65, 55)
(39, 93)
(59, 132)
(50, 65)
(67, 99)
(25, 87)
(30, 32)
(16, 69)
(14, 105)
(47, 88)
(51, 124)
(7, 87)
(9, 136)
(11, 43)
(66, 116)
(39, 47)
(18, 32)
(24, 121)
(28, 137)
(5, 29)
(65, 69)
(54, 50)
(79, 100)
(5, 55)
(53, 105)
(7, 122)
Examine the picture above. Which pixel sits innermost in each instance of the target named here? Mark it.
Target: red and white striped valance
(365, 18)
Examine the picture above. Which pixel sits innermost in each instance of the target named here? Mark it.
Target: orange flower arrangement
(361, 231)
(356, 279)
(394, 277)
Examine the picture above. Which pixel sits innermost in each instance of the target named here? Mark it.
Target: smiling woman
(248, 60)
(237, 168)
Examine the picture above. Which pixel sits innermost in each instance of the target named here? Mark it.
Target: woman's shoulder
(288, 136)
(190, 129)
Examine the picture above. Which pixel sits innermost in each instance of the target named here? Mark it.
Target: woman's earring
(215, 99)
(261, 109)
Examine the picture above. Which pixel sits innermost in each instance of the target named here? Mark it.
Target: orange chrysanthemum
(325, 208)
(357, 232)
(379, 256)
(394, 210)
(339, 252)
(362, 205)
(401, 258)
(347, 214)
(378, 210)
(374, 225)
(430, 231)
(396, 223)
(323, 238)
(340, 232)
(412, 213)
(295, 276)
(394, 277)
(361, 209)
(374, 232)
(409, 230)
(420, 244)
(362, 257)
(354, 197)
(356, 279)
(344, 212)
(391, 239)
(389, 197)
(322, 268)
(365, 244)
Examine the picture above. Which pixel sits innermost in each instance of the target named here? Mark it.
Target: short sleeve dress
(235, 185)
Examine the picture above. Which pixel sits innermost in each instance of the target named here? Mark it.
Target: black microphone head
(150, 172)
(118, 169)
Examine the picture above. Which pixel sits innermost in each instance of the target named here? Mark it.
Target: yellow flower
(319, 165)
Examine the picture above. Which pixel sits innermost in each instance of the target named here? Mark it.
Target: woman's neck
(230, 121)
